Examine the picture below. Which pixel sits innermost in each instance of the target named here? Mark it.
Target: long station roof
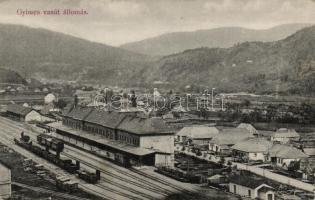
(120, 121)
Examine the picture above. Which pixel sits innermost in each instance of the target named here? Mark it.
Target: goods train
(64, 183)
(88, 176)
(66, 164)
(178, 175)
(116, 157)
(50, 142)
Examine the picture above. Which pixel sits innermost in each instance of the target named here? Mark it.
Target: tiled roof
(253, 145)
(286, 133)
(284, 151)
(79, 113)
(105, 118)
(145, 126)
(198, 132)
(231, 136)
(18, 109)
(122, 121)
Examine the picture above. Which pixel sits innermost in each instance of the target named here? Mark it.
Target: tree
(245, 103)
(60, 103)
(133, 99)
(108, 95)
(76, 100)
(271, 112)
(204, 113)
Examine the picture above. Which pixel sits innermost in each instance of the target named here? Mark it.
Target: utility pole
(207, 102)
(222, 103)
(212, 98)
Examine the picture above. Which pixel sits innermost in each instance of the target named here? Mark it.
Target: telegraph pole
(212, 98)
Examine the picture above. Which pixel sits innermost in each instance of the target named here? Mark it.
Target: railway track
(108, 173)
(9, 141)
(146, 176)
(47, 191)
(120, 178)
(135, 177)
(33, 136)
(105, 197)
(144, 186)
(160, 181)
(119, 192)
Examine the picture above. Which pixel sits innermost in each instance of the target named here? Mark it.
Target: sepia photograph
(157, 99)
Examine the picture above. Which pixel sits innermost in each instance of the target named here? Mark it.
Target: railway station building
(121, 137)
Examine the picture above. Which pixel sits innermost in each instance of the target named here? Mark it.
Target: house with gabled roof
(222, 142)
(197, 134)
(252, 188)
(283, 155)
(21, 113)
(284, 136)
(252, 149)
(249, 127)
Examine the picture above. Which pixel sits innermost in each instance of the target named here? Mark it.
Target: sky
(115, 22)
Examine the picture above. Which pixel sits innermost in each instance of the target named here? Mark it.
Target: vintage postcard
(157, 99)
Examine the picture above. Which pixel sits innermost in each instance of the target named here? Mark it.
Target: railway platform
(124, 154)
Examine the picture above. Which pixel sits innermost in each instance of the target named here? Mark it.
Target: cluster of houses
(245, 143)
(284, 150)
(37, 113)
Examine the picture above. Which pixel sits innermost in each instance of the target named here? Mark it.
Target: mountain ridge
(286, 65)
(43, 53)
(222, 37)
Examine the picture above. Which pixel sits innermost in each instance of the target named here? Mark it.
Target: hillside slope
(219, 37)
(46, 54)
(11, 77)
(287, 65)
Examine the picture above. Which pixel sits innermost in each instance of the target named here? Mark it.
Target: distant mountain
(171, 43)
(11, 77)
(286, 65)
(41, 54)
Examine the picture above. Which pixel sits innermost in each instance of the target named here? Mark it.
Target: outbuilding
(22, 113)
(197, 134)
(251, 188)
